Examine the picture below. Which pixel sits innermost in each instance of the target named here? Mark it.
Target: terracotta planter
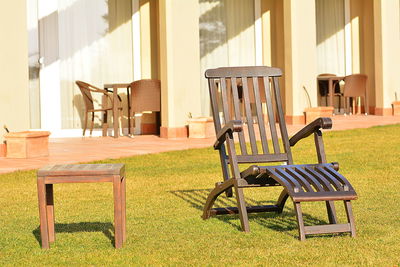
(396, 108)
(202, 127)
(314, 113)
(27, 144)
(3, 150)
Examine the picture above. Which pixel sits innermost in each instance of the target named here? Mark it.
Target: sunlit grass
(165, 195)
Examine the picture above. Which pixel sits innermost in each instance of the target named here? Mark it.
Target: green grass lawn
(165, 195)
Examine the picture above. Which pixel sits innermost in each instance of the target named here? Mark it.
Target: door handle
(41, 61)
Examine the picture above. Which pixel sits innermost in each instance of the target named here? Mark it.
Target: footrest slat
(234, 210)
(327, 229)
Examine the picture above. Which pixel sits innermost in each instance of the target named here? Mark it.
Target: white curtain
(226, 38)
(95, 46)
(330, 36)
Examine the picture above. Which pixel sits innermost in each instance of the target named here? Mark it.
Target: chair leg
(120, 122)
(218, 190)
(282, 200)
(300, 221)
(244, 219)
(350, 217)
(330, 207)
(85, 124)
(92, 124)
(105, 123)
(50, 212)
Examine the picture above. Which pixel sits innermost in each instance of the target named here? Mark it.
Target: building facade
(48, 44)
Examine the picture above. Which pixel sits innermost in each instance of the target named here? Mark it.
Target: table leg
(129, 110)
(117, 211)
(115, 112)
(50, 212)
(104, 100)
(123, 207)
(44, 233)
(330, 87)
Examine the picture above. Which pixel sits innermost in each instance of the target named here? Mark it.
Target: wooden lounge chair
(275, 167)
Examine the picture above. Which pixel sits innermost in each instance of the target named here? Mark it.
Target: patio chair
(145, 96)
(87, 90)
(273, 163)
(355, 85)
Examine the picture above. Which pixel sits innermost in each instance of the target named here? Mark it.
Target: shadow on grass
(284, 222)
(106, 228)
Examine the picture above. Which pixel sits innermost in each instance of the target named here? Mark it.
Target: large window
(227, 38)
(331, 53)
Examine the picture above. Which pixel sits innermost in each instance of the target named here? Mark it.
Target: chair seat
(310, 182)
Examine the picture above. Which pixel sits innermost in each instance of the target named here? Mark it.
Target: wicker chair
(355, 85)
(87, 90)
(145, 96)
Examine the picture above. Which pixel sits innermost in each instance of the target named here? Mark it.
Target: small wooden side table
(80, 173)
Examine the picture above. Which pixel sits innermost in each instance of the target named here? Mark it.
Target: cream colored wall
(300, 55)
(149, 46)
(149, 39)
(272, 36)
(14, 101)
(387, 52)
(179, 61)
(362, 32)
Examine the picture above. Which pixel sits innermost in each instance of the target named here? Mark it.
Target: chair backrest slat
(260, 117)
(282, 123)
(241, 94)
(271, 118)
(214, 104)
(236, 107)
(225, 100)
(249, 116)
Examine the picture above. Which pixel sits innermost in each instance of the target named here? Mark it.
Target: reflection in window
(226, 38)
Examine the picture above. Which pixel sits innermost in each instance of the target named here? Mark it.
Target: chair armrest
(324, 123)
(229, 128)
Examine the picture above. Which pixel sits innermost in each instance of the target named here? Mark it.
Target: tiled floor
(73, 150)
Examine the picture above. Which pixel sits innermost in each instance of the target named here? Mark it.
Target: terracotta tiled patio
(74, 150)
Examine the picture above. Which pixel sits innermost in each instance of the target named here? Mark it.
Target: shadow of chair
(145, 96)
(323, 88)
(87, 90)
(355, 85)
(275, 221)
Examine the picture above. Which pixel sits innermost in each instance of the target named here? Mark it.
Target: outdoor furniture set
(272, 161)
(142, 95)
(355, 86)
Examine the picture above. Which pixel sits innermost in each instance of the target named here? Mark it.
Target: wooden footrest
(235, 210)
(311, 182)
(327, 229)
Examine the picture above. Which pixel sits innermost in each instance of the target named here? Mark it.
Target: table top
(116, 85)
(326, 78)
(81, 169)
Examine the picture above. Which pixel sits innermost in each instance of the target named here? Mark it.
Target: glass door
(33, 63)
